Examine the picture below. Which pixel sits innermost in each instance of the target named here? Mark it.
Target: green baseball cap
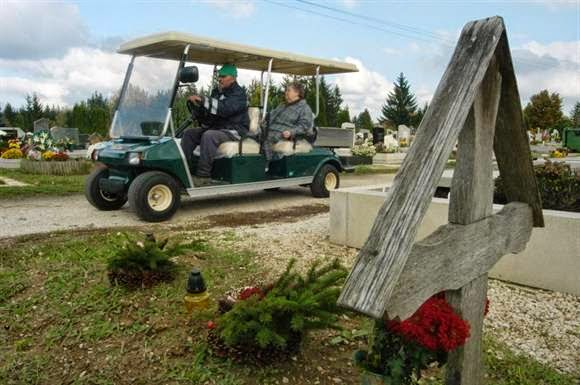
(228, 70)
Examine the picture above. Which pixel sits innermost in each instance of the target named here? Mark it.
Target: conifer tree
(400, 105)
(343, 116)
(575, 115)
(9, 115)
(364, 121)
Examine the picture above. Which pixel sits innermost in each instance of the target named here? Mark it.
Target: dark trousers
(209, 140)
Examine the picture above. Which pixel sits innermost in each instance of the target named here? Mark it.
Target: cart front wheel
(326, 179)
(100, 199)
(154, 195)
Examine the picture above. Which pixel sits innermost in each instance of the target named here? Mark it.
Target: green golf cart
(144, 164)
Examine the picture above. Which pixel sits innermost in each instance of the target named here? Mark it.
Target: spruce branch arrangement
(278, 316)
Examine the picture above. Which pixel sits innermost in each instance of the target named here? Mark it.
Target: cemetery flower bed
(365, 149)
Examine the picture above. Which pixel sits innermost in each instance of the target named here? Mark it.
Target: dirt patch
(287, 215)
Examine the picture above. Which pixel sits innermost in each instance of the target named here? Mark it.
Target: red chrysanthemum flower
(250, 291)
(434, 326)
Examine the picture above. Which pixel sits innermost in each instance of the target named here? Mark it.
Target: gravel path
(543, 324)
(46, 214)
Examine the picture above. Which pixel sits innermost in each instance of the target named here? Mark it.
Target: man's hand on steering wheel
(196, 99)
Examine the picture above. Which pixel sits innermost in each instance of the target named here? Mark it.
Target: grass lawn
(61, 322)
(366, 169)
(41, 184)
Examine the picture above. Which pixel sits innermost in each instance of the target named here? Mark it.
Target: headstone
(41, 125)
(403, 132)
(347, 126)
(390, 141)
(60, 133)
(403, 135)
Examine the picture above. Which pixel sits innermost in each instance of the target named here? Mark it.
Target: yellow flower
(12, 153)
(47, 155)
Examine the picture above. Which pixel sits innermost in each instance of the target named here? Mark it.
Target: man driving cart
(222, 117)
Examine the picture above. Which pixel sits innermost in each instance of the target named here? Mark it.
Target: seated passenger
(294, 117)
(224, 118)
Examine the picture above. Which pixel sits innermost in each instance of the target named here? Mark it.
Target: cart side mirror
(188, 74)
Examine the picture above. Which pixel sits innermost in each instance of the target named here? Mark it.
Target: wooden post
(392, 276)
(472, 200)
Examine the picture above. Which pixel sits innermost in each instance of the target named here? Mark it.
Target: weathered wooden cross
(477, 102)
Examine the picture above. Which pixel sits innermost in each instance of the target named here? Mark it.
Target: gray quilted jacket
(296, 118)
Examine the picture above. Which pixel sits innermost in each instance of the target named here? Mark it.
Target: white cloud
(554, 66)
(39, 29)
(561, 50)
(63, 81)
(82, 71)
(238, 9)
(363, 89)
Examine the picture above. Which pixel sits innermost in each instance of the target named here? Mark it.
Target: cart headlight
(134, 158)
(95, 154)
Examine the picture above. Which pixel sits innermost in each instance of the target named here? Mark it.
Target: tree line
(94, 115)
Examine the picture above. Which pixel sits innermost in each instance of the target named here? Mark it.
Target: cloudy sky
(64, 51)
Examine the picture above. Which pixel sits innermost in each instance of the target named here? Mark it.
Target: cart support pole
(266, 93)
(317, 80)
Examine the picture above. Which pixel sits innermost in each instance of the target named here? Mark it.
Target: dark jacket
(227, 110)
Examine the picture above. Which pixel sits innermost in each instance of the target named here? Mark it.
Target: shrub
(559, 186)
(366, 149)
(142, 263)
(276, 317)
(12, 153)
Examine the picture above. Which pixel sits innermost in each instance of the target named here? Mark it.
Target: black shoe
(202, 181)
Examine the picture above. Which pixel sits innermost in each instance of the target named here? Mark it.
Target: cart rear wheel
(100, 199)
(325, 180)
(154, 195)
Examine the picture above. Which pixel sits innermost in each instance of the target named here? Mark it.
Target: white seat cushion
(231, 148)
(286, 147)
(254, 115)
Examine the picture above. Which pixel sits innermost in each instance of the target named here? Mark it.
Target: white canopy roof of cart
(170, 45)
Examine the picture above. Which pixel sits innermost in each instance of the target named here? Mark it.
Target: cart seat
(248, 145)
(229, 149)
(286, 147)
(232, 148)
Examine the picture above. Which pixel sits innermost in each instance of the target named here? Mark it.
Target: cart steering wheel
(197, 113)
(195, 109)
